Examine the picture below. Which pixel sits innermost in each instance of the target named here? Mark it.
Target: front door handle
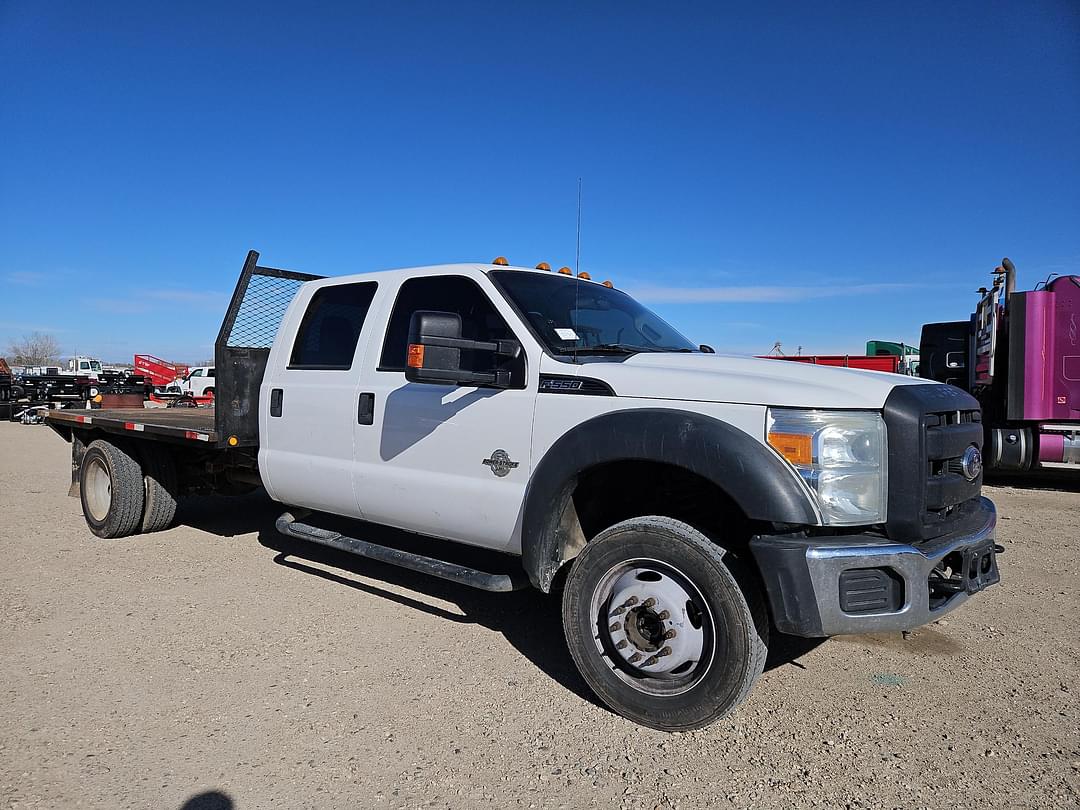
(275, 401)
(365, 409)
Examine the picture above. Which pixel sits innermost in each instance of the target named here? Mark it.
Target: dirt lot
(215, 666)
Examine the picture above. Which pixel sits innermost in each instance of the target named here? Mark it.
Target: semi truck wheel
(111, 489)
(660, 628)
(160, 490)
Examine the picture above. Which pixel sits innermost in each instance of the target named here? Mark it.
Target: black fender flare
(749, 472)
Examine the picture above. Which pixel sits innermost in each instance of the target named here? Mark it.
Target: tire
(111, 489)
(680, 666)
(209, 392)
(160, 490)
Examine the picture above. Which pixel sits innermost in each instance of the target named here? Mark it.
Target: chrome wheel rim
(98, 489)
(653, 627)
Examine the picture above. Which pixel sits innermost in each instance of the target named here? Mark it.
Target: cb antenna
(577, 251)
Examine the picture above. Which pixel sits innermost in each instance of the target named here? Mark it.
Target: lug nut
(633, 659)
(648, 662)
(614, 627)
(648, 603)
(630, 602)
(670, 634)
(621, 644)
(663, 652)
(664, 615)
(618, 610)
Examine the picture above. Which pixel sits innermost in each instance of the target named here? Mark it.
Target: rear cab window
(326, 339)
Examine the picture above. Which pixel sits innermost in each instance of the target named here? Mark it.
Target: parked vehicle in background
(5, 389)
(675, 498)
(1018, 354)
(159, 373)
(908, 356)
(866, 363)
(199, 382)
(88, 367)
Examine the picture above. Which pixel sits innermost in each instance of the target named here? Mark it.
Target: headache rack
(258, 304)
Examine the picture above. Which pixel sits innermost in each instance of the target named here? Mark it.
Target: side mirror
(705, 348)
(434, 354)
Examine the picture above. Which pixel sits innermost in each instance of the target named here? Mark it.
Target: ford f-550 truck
(676, 498)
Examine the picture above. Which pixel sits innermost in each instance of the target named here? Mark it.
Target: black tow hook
(998, 548)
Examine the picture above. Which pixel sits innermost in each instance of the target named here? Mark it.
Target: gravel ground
(215, 666)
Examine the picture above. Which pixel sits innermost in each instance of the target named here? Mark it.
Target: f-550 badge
(500, 463)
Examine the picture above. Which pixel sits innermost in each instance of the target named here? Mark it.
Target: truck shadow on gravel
(528, 619)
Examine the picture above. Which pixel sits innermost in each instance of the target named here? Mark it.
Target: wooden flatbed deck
(184, 424)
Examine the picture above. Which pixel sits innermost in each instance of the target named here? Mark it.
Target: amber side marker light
(97, 399)
(566, 271)
(233, 441)
(416, 355)
(543, 266)
(795, 447)
(501, 261)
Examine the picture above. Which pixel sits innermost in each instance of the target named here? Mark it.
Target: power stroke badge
(500, 463)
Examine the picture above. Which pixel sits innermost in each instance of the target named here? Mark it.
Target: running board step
(501, 583)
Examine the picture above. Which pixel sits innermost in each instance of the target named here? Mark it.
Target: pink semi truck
(1019, 355)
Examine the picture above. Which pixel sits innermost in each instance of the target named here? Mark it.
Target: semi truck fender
(748, 471)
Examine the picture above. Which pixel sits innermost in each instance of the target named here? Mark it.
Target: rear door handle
(275, 401)
(365, 409)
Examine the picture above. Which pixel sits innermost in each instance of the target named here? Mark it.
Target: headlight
(841, 455)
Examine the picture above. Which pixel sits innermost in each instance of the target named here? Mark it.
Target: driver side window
(462, 296)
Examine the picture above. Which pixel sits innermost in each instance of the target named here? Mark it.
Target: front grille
(930, 427)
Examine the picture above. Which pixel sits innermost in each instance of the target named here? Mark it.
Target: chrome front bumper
(810, 594)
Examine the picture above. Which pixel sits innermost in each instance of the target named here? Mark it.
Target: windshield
(572, 316)
(95, 365)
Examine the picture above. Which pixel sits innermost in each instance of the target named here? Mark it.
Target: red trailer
(882, 362)
(158, 372)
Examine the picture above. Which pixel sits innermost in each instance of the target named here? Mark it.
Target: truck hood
(744, 380)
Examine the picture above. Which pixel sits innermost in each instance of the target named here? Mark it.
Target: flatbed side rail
(179, 425)
(258, 304)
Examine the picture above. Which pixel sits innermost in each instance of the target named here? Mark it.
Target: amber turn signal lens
(501, 260)
(416, 355)
(543, 266)
(566, 271)
(795, 447)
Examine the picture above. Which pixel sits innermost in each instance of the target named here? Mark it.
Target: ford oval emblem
(972, 463)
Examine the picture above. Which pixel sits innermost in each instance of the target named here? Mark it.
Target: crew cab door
(445, 460)
(308, 410)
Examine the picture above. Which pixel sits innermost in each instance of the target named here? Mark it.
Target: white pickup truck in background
(679, 501)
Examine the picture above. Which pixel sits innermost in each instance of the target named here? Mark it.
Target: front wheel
(659, 626)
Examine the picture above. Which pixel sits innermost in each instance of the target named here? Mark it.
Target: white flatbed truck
(681, 501)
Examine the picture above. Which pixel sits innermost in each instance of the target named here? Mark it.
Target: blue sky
(813, 173)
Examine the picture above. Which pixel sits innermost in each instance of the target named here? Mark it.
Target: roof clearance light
(609, 285)
(584, 275)
(566, 271)
(543, 266)
(416, 355)
(501, 260)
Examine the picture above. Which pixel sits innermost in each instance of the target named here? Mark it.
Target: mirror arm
(503, 348)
